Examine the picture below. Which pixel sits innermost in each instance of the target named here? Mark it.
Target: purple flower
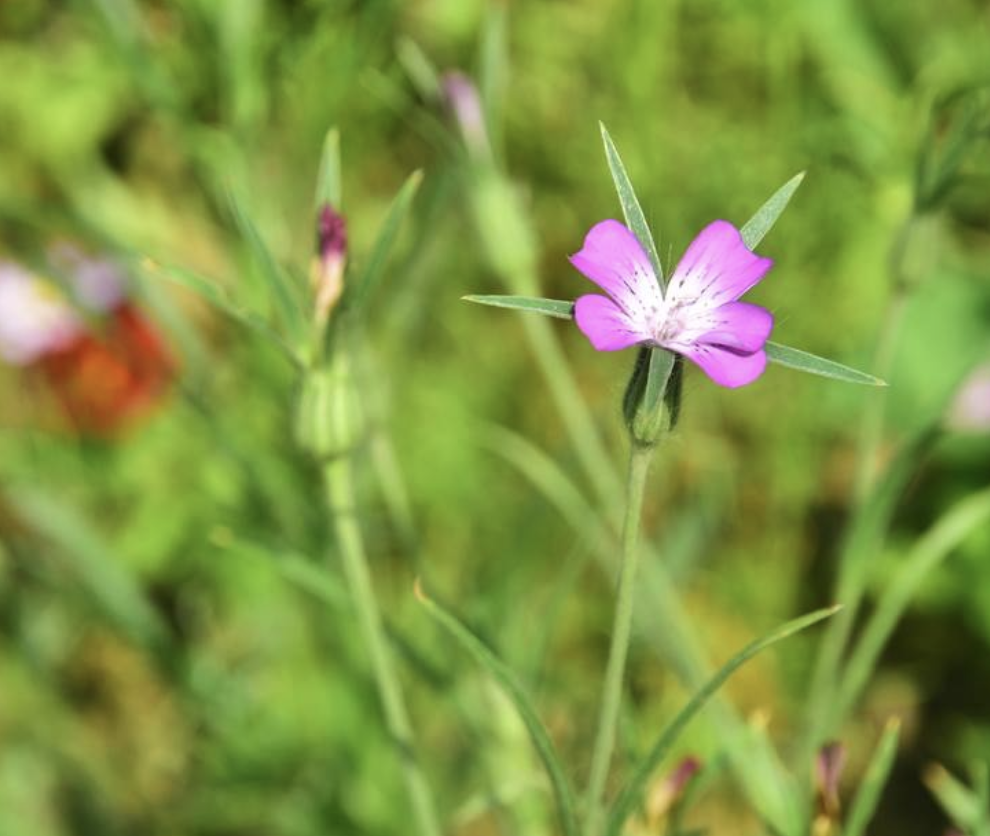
(700, 316)
(98, 284)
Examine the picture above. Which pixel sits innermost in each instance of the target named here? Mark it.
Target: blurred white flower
(35, 319)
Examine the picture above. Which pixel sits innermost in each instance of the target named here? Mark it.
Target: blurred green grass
(246, 708)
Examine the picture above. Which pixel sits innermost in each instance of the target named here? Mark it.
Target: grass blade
(90, 560)
(766, 216)
(217, 297)
(328, 185)
(284, 295)
(804, 361)
(630, 795)
(967, 516)
(964, 806)
(864, 804)
(631, 209)
(365, 286)
(563, 794)
(559, 308)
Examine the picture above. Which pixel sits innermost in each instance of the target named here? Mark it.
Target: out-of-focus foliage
(169, 663)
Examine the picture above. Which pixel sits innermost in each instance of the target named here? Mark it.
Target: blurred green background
(167, 664)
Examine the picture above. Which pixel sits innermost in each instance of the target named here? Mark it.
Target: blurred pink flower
(699, 317)
(970, 410)
(462, 98)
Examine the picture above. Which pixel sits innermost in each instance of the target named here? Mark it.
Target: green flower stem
(639, 464)
(339, 483)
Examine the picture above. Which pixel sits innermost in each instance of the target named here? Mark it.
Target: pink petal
(614, 260)
(727, 368)
(605, 323)
(717, 268)
(740, 326)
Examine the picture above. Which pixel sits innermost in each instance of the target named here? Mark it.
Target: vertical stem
(639, 463)
(339, 483)
(850, 585)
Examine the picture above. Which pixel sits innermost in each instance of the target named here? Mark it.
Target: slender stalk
(639, 463)
(850, 584)
(339, 483)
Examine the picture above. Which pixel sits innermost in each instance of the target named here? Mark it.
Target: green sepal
(756, 228)
(804, 361)
(631, 210)
(558, 308)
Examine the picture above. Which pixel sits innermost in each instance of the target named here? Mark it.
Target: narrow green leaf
(538, 734)
(803, 361)
(631, 209)
(419, 68)
(559, 308)
(630, 795)
(217, 297)
(951, 529)
(766, 216)
(980, 774)
(493, 72)
(328, 185)
(365, 285)
(285, 296)
(90, 560)
(864, 803)
(960, 803)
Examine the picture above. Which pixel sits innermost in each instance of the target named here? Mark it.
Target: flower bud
(329, 419)
(462, 98)
(331, 257)
(828, 769)
(669, 791)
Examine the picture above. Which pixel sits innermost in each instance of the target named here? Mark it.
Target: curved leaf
(630, 796)
(563, 794)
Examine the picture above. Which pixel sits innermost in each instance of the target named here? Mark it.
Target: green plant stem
(639, 464)
(339, 483)
(871, 434)
(850, 584)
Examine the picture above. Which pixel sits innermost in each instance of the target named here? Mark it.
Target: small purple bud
(331, 233)
(970, 410)
(331, 252)
(828, 770)
(669, 791)
(464, 102)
